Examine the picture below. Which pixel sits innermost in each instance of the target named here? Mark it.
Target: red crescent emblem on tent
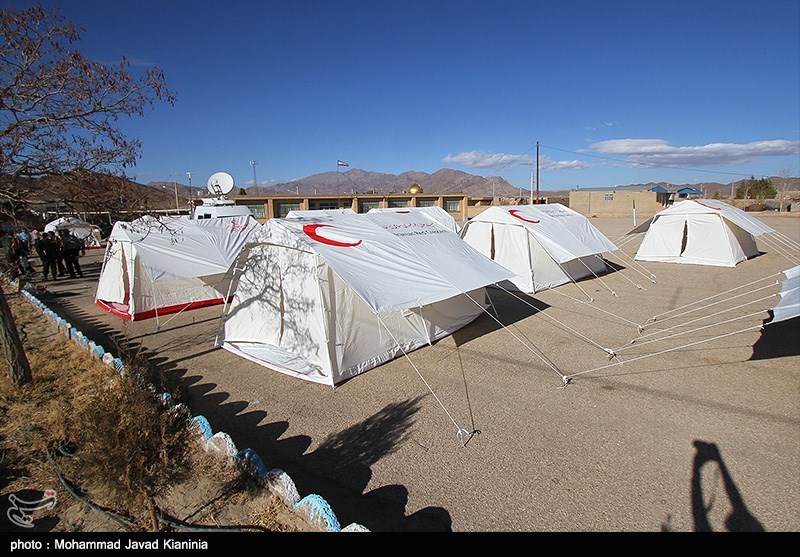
(403, 212)
(709, 206)
(311, 232)
(513, 213)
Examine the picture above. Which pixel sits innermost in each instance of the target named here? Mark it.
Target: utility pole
(531, 188)
(537, 172)
(253, 164)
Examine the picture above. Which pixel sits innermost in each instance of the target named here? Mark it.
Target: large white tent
(326, 297)
(701, 232)
(433, 212)
(87, 233)
(160, 266)
(543, 245)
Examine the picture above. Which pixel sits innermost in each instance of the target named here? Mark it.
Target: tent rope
(538, 309)
(557, 291)
(618, 269)
(659, 339)
(534, 352)
(460, 431)
(635, 265)
(668, 350)
(781, 249)
(658, 318)
(597, 277)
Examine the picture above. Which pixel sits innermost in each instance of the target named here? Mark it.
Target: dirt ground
(216, 495)
(693, 432)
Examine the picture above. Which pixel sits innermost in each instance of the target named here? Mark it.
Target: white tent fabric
(789, 305)
(435, 213)
(161, 266)
(88, 233)
(701, 232)
(318, 212)
(328, 297)
(544, 245)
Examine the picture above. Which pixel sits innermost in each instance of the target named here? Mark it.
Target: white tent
(543, 245)
(88, 233)
(789, 305)
(701, 232)
(318, 212)
(327, 297)
(434, 212)
(159, 266)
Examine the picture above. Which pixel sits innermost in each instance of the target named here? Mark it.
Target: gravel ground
(689, 433)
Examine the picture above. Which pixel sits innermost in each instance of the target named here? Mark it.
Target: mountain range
(444, 181)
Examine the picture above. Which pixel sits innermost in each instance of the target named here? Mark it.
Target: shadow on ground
(339, 470)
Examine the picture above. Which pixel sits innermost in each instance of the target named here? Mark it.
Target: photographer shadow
(739, 519)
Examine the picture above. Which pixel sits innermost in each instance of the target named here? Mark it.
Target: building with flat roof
(460, 206)
(645, 201)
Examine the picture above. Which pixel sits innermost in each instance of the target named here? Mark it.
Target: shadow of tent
(510, 307)
(777, 340)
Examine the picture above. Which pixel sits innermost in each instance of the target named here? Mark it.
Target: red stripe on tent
(513, 213)
(708, 206)
(311, 232)
(123, 310)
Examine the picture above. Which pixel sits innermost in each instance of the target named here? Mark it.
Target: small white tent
(543, 245)
(87, 233)
(434, 212)
(327, 297)
(160, 266)
(701, 232)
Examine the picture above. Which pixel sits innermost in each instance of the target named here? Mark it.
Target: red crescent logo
(311, 232)
(513, 213)
(403, 212)
(709, 206)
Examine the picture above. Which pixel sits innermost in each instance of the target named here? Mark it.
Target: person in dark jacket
(72, 249)
(48, 253)
(57, 238)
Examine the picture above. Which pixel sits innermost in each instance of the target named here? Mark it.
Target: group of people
(60, 253)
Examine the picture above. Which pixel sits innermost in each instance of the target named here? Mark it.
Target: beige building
(460, 206)
(626, 201)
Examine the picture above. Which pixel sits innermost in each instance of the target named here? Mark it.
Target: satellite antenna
(220, 184)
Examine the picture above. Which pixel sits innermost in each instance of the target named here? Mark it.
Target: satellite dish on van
(220, 183)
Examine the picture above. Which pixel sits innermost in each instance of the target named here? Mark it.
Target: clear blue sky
(609, 89)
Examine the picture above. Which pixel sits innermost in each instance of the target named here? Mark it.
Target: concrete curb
(314, 509)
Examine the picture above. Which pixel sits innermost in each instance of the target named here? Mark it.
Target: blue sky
(615, 92)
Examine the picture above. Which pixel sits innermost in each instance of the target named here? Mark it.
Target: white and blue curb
(313, 508)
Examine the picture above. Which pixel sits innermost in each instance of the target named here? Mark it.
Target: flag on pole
(341, 163)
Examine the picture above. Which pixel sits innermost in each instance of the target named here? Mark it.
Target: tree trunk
(151, 506)
(19, 370)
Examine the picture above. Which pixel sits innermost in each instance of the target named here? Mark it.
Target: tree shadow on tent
(777, 340)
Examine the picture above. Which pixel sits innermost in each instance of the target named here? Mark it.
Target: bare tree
(59, 117)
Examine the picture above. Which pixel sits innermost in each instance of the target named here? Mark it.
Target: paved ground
(705, 436)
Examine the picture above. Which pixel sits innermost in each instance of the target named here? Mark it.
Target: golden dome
(415, 188)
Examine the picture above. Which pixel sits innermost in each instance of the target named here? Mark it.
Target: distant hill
(449, 181)
(442, 181)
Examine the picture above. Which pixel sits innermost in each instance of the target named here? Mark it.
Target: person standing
(35, 237)
(59, 239)
(48, 253)
(72, 250)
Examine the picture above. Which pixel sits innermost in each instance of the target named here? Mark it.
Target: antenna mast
(537, 172)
